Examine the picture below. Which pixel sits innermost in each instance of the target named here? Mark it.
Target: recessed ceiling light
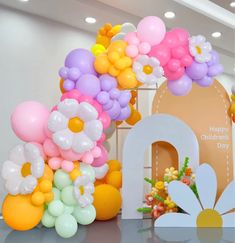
(23, 1)
(90, 20)
(216, 34)
(169, 15)
(232, 4)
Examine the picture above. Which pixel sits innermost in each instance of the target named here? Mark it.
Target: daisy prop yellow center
(81, 188)
(199, 50)
(147, 69)
(26, 169)
(76, 124)
(209, 218)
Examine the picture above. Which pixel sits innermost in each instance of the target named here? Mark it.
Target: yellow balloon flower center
(81, 188)
(76, 124)
(26, 169)
(147, 69)
(209, 218)
(199, 50)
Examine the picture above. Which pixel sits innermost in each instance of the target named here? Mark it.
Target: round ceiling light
(90, 20)
(169, 15)
(232, 4)
(216, 34)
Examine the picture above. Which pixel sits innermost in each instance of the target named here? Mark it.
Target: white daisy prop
(75, 126)
(24, 167)
(202, 212)
(83, 190)
(148, 69)
(200, 48)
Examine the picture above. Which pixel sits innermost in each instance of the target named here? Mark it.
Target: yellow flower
(160, 185)
(170, 204)
(171, 174)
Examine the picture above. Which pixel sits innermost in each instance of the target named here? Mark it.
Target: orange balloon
(20, 214)
(102, 64)
(107, 202)
(127, 79)
(118, 46)
(61, 86)
(48, 174)
(114, 165)
(114, 178)
(134, 118)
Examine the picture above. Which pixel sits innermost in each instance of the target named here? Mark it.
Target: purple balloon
(108, 105)
(63, 72)
(114, 111)
(124, 98)
(124, 114)
(107, 82)
(214, 58)
(81, 59)
(181, 86)
(68, 85)
(205, 81)
(74, 74)
(114, 93)
(88, 84)
(103, 97)
(215, 70)
(197, 70)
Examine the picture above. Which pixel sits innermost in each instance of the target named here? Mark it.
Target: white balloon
(101, 171)
(127, 28)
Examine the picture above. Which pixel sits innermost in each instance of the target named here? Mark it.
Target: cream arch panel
(159, 127)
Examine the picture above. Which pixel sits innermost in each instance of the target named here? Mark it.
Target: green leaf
(159, 198)
(152, 182)
(183, 169)
(144, 210)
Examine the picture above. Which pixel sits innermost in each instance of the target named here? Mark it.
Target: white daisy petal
(226, 202)
(10, 170)
(143, 59)
(64, 139)
(228, 220)
(87, 112)
(13, 185)
(184, 197)
(68, 107)
(31, 152)
(207, 46)
(82, 143)
(89, 188)
(151, 79)
(37, 167)
(175, 220)
(206, 183)
(93, 129)
(153, 62)
(17, 155)
(141, 76)
(137, 67)
(28, 184)
(57, 121)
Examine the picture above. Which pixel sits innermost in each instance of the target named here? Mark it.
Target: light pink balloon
(102, 159)
(55, 163)
(105, 119)
(144, 48)
(132, 51)
(132, 39)
(151, 29)
(70, 155)
(50, 148)
(28, 121)
(67, 166)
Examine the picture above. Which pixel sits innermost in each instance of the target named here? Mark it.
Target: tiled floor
(119, 231)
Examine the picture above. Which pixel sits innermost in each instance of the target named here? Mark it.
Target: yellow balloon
(97, 49)
(114, 178)
(20, 214)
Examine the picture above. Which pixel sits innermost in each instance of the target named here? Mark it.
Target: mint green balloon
(87, 170)
(56, 208)
(66, 225)
(68, 209)
(61, 179)
(48, 220)
(56, 193)
(85, 215)
(67, 196)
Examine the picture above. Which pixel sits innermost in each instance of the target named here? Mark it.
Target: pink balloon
(105, 119)
(132, 51)
(102, 159)
(67, 166)
(85, 98)
(55, 163)
(50, 148)
(144, 48)
(97, 106)
(96, 152)
(28, 121)
(88, 158)
(151, 29)
(173, 65)
(182, 35)
(73, 94)
(186, 60)
(174, 75)
(132, 39)
(102, 139)
(178, 52)
(171, 39)
(70, 155)
(162, 53)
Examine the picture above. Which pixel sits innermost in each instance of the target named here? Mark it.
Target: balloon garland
(61, 176)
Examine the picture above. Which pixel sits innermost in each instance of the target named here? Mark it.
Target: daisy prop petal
(13, 185)
(94, 129)
(87, 112)
(10, 170)
(31, 152)
(228, 220)
(68, 107)
(17, 154)
(206, 185)
(82, 143)
(184, 197)
(57, 121)
(37, 167)
(63, 139)
(175, 220)
(226, 202)
(28, 184)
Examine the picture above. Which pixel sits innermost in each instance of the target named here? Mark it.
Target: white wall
(32, 50)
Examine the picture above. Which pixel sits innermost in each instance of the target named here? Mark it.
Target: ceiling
(195, 18)
(225, 4)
